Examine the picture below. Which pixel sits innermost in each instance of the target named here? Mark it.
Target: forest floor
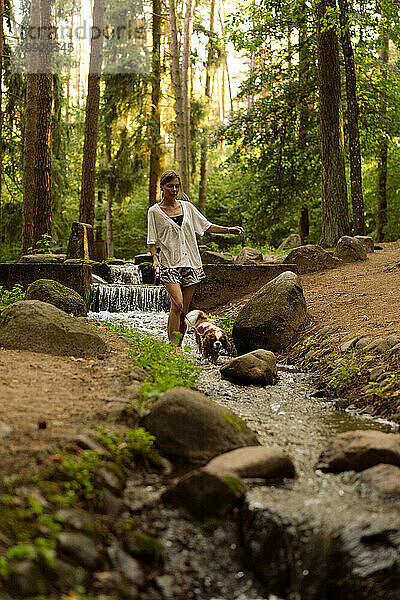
(45, 399)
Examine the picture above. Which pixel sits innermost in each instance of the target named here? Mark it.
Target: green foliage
(132, 443)
(9, 296)
(166, 368)
(346, 372)
(43, 245)
(226, 321)
(76, 475)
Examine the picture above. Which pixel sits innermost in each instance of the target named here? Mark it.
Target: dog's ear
(227, 345)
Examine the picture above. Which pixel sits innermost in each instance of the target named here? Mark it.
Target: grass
(164, 366)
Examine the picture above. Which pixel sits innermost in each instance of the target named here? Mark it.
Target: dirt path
(66, 393)
(362, 297)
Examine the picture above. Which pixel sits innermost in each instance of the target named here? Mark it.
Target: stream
(304, 539)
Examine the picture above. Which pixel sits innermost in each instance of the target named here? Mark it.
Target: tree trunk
(28, 177)
(109, 213)
(42, 175)
(1, 103)
(86, 207)
(155, 138)
(204, 143)
(381, 213)
(177, 84)
(304, 75)
(186, 66)
(335, 220)
(352, 121)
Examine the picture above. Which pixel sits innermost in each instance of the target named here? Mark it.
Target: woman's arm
(153, 251)
(236, 230)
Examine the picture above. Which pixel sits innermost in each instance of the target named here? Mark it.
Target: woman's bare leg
(174, 319)
(187, 292)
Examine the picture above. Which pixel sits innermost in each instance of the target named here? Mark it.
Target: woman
(172, 225)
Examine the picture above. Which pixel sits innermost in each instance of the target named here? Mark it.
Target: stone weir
(226, 283)
(75, 276)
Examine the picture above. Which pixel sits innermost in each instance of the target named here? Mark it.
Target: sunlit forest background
(249, 123)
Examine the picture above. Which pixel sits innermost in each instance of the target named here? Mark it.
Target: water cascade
(127, 273)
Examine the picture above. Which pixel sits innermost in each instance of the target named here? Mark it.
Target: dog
(210, 338)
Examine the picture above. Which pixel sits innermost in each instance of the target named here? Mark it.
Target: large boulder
(249, 256)
(272, 317)
(192, 429)
(257, 367)
(311, 258)
(206, 494)
(40, 327)
(358, 450)
(269, 463)
(52, 292)
(43, 258)
(292, 241)
(367, 241)
(216, 258)
(385, 479)
(349, 249)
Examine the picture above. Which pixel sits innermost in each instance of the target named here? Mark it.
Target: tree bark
(304, 75)
(1, 103)
(177, 84)
(381, 192)
(86, 206)
(28, 176)
(204, 143)
(155, 127)
(335, 220)
(353, 110)
(42, 175)
(186, 66)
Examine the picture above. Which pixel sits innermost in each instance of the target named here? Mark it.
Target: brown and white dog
(210, 338)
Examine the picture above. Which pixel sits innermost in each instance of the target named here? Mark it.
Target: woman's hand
(237, 230)
(156, 262)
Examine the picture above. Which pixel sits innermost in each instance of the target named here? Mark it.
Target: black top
(178, 220)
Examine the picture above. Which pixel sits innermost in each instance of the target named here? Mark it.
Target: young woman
(172, 226)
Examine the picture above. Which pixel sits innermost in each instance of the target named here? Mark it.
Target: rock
(384, 478)
(272, 317)
(249, 256)
(190, 428)
(368, 565)
(292, 241)
(311, 258)
(348, 344)
(75, 518)
(40, 327)
(349, 249)
(376, 372)
(363, 342)
(359, 450)
(87, 443)
(144, 547)
(43, 258)
(97, 279)
(206, 494)
(112, 505)
(274, 259)
(382, 345)
(79, 548)
(394, 350)
(252, 368)
(215, 258)
(5, 430)
(57, 294)
(102, 270)
(138, 374)
(147, 271)
(68, 576)
(128, 566)
(367, 241)
(108, 479)
(269, 463)
(81, 241)
(26, 578)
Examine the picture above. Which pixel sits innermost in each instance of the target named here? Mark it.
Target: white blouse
(178, 243)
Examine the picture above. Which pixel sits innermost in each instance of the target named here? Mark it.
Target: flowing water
(288, 529)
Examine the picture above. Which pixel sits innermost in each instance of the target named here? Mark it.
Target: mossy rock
(42, 258)
(52, 292)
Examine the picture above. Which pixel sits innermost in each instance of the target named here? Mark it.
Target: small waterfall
(124, 298)
(127, 273)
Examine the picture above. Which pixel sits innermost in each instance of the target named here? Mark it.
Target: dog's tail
(193, 316)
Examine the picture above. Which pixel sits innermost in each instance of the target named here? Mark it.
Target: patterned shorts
(185, 276)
